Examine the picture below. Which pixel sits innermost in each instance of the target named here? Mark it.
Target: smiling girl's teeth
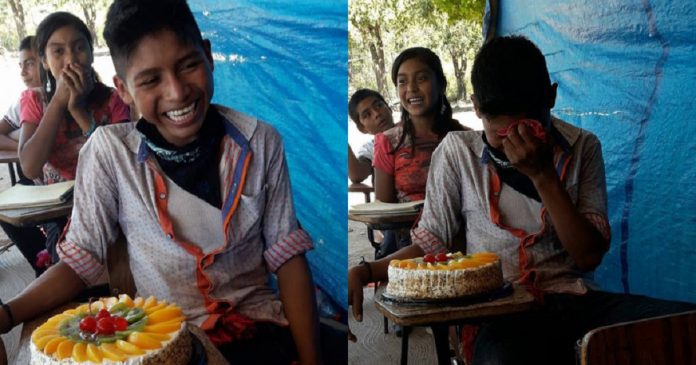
(180, 114)
(415, 100)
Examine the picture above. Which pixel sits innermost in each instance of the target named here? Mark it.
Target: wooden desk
(439, 317)
(24, 217)
(11, 158)
(214, 356)
(383, 222)
(361, 188)
(391, 220)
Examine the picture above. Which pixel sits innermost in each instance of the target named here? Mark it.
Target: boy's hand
(80, 82)
(355, 290)
(527, 153)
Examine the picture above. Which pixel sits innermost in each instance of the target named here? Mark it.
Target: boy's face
(171, 84)
(374, 115)
(491, 124)
(30, 68)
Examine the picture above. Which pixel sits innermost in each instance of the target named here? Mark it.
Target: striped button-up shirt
(181, 249)
(465, 192)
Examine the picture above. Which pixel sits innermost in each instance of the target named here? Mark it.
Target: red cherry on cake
(88, 324)
(103, 313)
(429, 258)
(441, 257)
(105, 326)
(120, 324)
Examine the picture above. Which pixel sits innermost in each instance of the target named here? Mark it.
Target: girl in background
(57, 119)
(402, 153)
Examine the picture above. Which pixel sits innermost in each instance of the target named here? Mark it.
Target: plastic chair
(667, 339)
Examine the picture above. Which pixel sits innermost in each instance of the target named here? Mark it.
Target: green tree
(90, 10)
(460, 41)
(456, 10)
(458, 24)
(17, 9)
(367, 18)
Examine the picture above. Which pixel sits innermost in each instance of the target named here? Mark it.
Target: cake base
(414, 279)
(504, 291)
(198, 356)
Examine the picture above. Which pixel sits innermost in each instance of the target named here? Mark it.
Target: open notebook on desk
(27, 196)
(380, 208)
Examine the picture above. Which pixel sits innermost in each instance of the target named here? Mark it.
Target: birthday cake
(114, 331)
(444, 276)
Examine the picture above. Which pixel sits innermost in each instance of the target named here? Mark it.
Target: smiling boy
(201, 193)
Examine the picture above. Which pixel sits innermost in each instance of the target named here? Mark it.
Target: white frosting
(441, 284)
(40, 358)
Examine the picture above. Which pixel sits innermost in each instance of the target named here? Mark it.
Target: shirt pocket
(247, 220)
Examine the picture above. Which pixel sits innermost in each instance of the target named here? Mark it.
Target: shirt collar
(238, 126)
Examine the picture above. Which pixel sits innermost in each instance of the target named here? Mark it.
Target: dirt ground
(373, 345)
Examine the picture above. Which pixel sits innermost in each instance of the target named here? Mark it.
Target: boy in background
(371, 114)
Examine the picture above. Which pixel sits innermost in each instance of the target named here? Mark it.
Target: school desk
(440, 316)
(361, 188)
(384, 222)
(25, 217)
(11, 159)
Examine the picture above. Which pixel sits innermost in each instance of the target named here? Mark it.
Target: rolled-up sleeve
(592, 188)
(94, 221)
(283, 236)
(441, 218)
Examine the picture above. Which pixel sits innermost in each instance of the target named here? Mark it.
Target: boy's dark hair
(26, 43)
(129, 21)
(443, 110)
(510, 77)
(358, 97)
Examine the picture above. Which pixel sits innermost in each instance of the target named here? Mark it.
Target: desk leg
(404, 345)
(13, 177)
(440, 334)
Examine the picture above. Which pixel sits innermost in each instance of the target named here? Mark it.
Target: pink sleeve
(383, 160)
(30, 107)
(120, 111)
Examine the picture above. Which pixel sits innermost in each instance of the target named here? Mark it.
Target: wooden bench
(667, 339)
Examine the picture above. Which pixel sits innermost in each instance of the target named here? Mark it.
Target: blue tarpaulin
(286, 63)
(626, 71)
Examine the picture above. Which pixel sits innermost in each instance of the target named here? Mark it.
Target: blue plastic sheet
(626, 71)
(286, 63)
